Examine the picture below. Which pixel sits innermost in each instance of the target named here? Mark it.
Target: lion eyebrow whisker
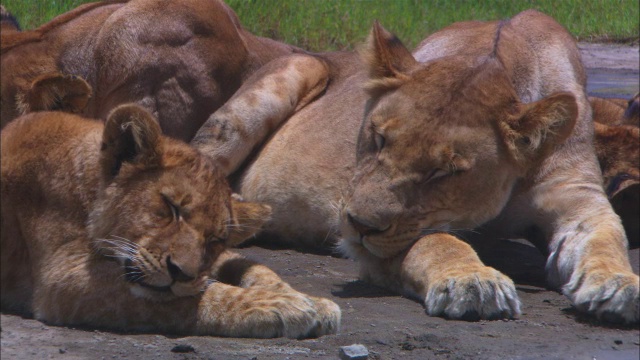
(117, 243)
(122, 250)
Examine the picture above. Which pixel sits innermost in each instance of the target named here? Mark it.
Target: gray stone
(354, 352)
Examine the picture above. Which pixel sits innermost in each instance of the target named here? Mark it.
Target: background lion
(617, 141)
(179, 59)
(116, 226)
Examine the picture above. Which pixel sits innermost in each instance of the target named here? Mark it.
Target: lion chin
(165, 293)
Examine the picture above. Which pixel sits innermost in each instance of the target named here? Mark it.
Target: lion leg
(448, 276)
(588, 258)
(588, 250)
(254, 312)
(258, 108)
(234, 269)
(74, 288)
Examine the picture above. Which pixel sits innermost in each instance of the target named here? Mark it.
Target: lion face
(441, 146)
(165, 212)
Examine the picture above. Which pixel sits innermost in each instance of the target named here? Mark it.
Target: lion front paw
(481, 294)
(328, 317)
(294, 315)
(611, 297)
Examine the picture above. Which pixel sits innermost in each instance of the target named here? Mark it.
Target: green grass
(340, 24)
(33, 13)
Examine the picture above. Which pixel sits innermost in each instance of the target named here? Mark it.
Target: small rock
(183, 348)
(354, 352)
(618, 342)
(62, 351)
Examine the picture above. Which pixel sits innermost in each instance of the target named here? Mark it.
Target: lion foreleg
(266, 99)
(236, 270)
(588, 252)
(447, 275)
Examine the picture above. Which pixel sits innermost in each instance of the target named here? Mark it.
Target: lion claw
(485, 294)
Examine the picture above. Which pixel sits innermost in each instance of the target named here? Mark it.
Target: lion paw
(328, 316)
(294, 315)
(611, 297)
(482, 294)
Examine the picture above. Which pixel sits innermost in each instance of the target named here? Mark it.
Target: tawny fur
(181, 59)
(116, 226)
(485, 131)
(307, 171)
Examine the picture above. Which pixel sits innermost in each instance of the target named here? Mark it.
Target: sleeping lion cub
(116, 226)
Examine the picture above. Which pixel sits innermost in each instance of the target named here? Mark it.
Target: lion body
(128, 230)
(179, 59)
(484, 130)
(486, 127)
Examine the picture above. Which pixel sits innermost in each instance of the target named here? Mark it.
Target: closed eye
(175, 210)
(380, 141)
(214, 238)
(435, 174)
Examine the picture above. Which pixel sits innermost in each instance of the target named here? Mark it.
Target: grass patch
(33, 13)
(322, 25)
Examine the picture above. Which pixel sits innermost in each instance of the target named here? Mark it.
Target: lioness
(117, 226)
(8, 22)
(181, 59)
(483, 132)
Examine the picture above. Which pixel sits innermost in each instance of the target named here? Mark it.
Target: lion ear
(618, 152)
(132, 135)
(539, 127)
(56, 91)
(247, 219)
(387, 59)
(632, 114)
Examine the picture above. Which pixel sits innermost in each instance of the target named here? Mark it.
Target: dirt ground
(390, 326)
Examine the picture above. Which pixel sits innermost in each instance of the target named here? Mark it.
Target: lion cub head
(164, 212)
(441, 145)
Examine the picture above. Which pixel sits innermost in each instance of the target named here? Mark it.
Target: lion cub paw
(481, 294)
(611, 297)
(295, 315)
(328, 317)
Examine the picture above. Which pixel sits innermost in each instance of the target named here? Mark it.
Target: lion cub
(116, 226)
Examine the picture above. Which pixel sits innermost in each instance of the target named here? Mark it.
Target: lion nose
(363, 227)
(176, 272)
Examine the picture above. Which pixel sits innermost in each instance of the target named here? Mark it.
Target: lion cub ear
(247, 219)
(388, 60)
(539, 127)
(131, 134)
(56, 91)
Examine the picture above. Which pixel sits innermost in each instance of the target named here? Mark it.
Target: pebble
(183, 348)
(354, 352)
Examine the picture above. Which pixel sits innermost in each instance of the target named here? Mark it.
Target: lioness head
(8, 22)
(164, 212)
(441, 145)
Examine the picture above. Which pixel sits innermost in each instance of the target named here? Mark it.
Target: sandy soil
(390, 326)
